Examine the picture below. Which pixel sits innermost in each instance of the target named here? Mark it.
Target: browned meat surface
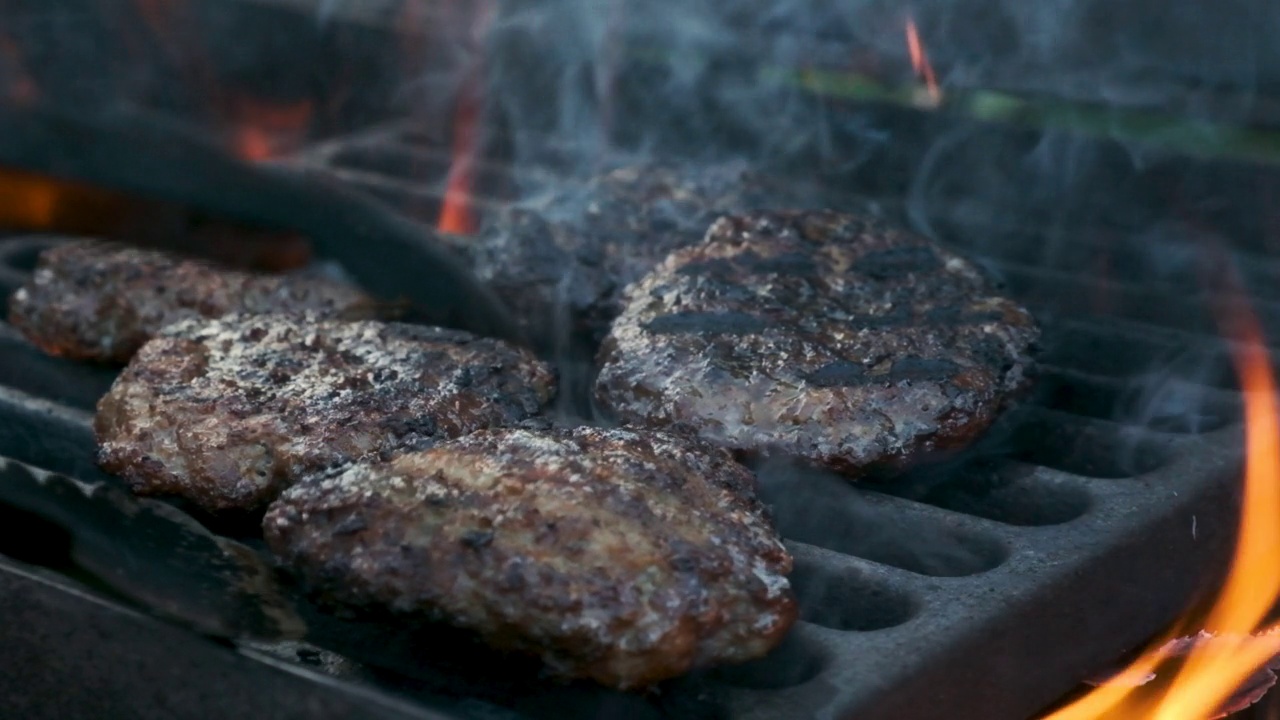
(562, 262)
(624, 556)
(819, 335)
(229, 412)
(99, 301)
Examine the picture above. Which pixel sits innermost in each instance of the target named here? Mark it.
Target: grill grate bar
(917, 594)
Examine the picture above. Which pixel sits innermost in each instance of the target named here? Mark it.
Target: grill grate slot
(1153, 401)
(1120, 352)
(1088, 448)
(25, 368)
(830, 513)
(848, 598)
(1007, 492)
(1187, 311)
(47, 436)
(799, 659)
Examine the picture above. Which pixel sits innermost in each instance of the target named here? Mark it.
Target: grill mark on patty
(725, 269)
(844, 373)
(925, 352)
(707, 323)
(951, 314)
(919, 368)
(840, 373)
(897, 262)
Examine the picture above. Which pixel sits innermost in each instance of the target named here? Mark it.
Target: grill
(985, 588)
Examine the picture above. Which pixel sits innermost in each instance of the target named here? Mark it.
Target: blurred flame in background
(456, 213)
(1209, 674)
(920, 62)
(16, 83)
(258, 128)
(262, 130)
(457, 216)
(32, 202)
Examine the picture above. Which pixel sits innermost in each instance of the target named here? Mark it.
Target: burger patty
(90, 300)
(228, 412)
(623, 556)
(562, 263)
(819, 335)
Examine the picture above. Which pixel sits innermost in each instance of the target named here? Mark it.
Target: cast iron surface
(983, 589)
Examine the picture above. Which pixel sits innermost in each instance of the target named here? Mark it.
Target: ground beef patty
(562, 262)
(99, 301)
(228, 412)
(623, 556)
(819, 335)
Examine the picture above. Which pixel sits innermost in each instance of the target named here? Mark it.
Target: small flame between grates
(985, 588)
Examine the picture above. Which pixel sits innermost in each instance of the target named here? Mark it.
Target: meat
(98, 301)
(228, 412)
(829, 337)
(563, 262)
(623, 556)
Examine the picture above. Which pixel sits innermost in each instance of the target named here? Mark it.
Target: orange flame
(920, 62)
(263, 130)
(31, 202)
(1213, 671)
(259, 128)
(457, 216)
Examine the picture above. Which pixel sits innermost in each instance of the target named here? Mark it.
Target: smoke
(583, 80)
(824, 509)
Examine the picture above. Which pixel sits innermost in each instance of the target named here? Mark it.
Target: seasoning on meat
(819, 335)
(229, 412)
(563, 263)
(90, 300)
(623, 556)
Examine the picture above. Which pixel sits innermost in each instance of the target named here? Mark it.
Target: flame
(263, 130)
(15, 82)
(457, 216)
(920, 62)
(258, 128)
(32, 202)
(1213, 671)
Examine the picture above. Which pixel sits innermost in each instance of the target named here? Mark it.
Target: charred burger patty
(90, 300)
(563, 263)
(228, 412)
(624, 556)
(819, 335)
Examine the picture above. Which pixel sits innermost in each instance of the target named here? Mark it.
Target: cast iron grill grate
(985, 588)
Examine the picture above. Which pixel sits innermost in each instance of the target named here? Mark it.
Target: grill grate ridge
(1018, 535)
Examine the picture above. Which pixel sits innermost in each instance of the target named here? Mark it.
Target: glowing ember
(1211, 674)
(920, 62)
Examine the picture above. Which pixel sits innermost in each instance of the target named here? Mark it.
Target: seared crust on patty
(624, 556)
(90, 300)
(562, 262)
(819, 335)
(229, 412)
